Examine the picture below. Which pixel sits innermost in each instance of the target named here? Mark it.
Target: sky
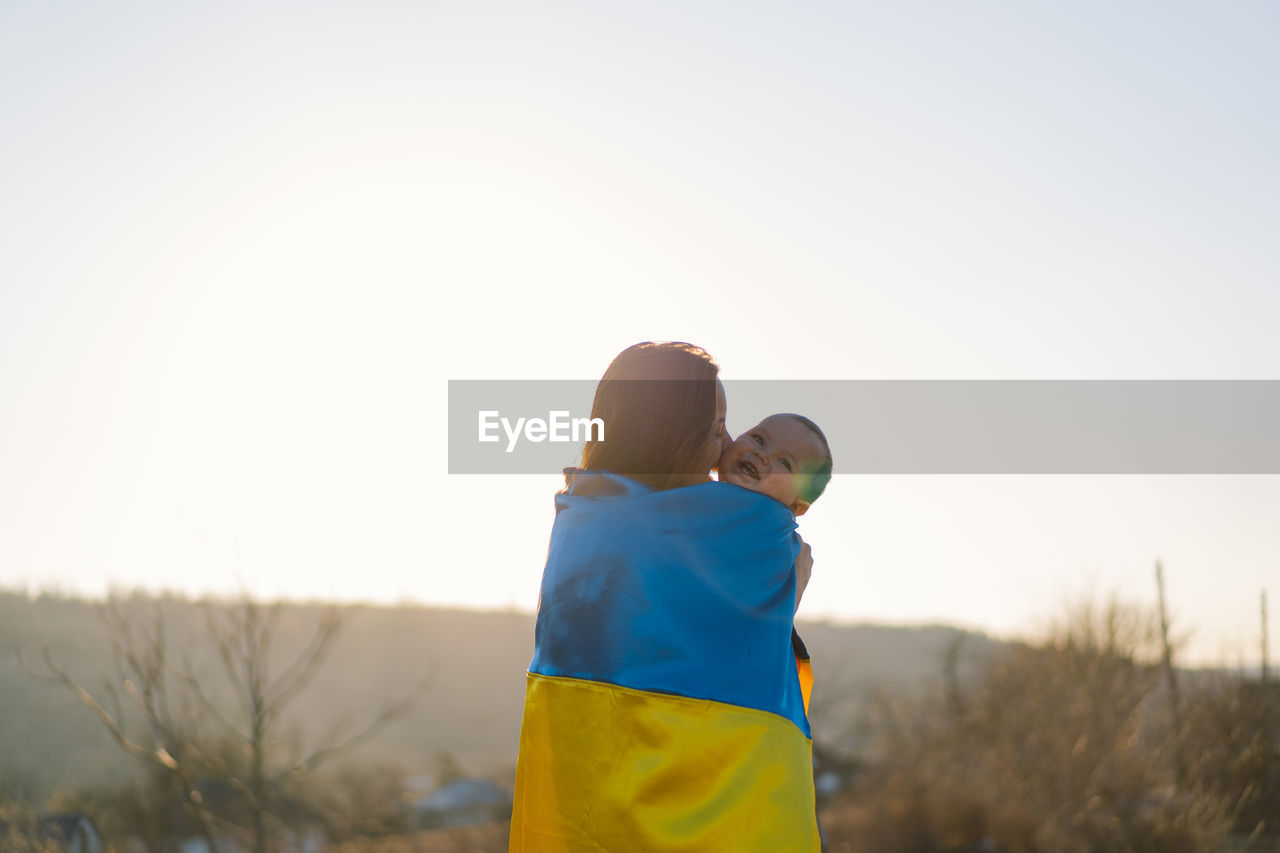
(244, 246)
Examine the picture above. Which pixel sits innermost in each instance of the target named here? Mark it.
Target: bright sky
(242, 249)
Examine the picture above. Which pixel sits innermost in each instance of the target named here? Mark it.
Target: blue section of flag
(688, 591)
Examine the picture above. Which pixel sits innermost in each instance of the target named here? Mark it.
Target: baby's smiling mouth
(750, 470)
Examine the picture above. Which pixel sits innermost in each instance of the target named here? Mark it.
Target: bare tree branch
(197, 692)
(299, 674)
(388, 714)
(194, 733)
(223, 641)
(159, 757)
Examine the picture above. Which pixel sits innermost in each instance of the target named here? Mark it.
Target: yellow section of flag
(604, 767)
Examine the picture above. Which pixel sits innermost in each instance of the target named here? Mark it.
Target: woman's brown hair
(658, 404)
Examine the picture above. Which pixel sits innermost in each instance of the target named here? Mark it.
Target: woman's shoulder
(726, 493)
(709, 504)
(591, 483)
(725, 504)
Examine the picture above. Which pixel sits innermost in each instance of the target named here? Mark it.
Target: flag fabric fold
(663, 708)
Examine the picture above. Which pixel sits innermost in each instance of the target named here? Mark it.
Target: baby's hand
(804, 568)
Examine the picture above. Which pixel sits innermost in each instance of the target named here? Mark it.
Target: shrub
(1072, 743)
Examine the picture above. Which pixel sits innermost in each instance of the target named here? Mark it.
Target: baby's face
(774, 458)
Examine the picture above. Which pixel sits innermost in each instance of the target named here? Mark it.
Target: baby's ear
(799, 507)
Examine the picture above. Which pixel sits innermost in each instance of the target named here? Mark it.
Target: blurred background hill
(1086, 736)
(469, 715)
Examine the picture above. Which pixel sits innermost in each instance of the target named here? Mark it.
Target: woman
(663, 710)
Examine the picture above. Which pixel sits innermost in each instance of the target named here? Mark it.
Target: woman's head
(663, 410)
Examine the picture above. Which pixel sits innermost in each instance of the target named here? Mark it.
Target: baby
(787, 458)
(784, 456)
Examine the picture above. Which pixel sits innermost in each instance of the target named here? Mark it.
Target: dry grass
(20, 831)
(1074, 744)
(487, 838)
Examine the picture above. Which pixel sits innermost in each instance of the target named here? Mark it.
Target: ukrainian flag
(663, 709)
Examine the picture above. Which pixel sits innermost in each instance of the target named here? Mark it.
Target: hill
(475, 663)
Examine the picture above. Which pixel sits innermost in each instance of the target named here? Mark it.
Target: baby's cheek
(778, 487)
